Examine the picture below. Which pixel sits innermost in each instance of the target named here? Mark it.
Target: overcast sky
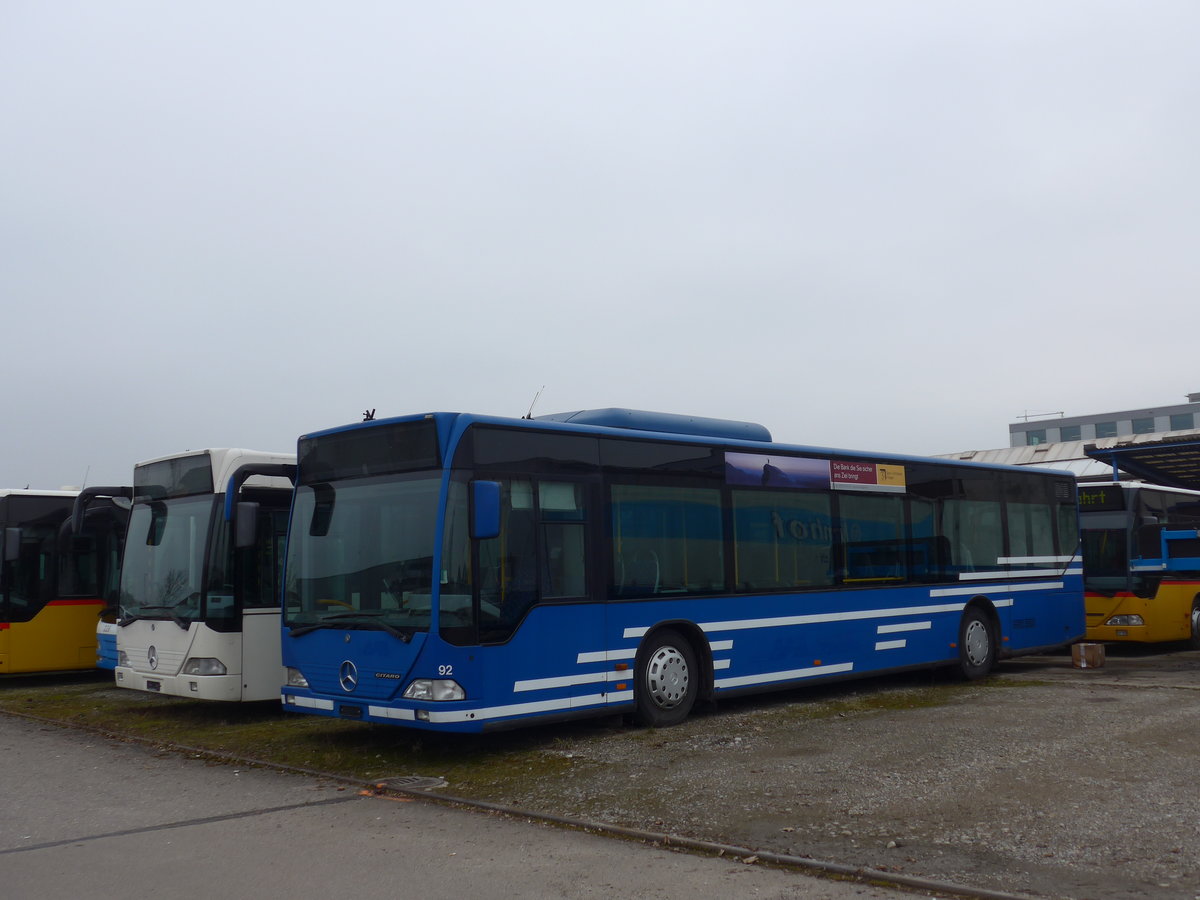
(887, 225)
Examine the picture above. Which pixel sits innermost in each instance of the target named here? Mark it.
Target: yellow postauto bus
(1141, 562)
(58, 574)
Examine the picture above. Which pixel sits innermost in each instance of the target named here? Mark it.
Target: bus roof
(226, 460)
(644, 425)
(1144, 485)
(666, 423)
(26, 492)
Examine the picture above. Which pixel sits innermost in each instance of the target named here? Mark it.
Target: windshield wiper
(168, 609)
(328, 620)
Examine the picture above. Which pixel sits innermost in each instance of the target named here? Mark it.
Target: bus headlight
(435, 689)
(296, 679)
(122, 658)
(1125, 620)
(204, 666)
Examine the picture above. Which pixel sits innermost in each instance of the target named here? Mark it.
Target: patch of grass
(494, 766)
(475, 766)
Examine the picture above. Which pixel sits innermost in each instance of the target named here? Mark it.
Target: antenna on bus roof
(368, 415)
(529, 415)
(86, 473)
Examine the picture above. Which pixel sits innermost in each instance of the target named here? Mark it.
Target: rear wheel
(666, 686)
(976, 644)
(1195, 638)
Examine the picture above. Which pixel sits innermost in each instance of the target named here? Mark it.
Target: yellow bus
(58, 574)
(1141, 562)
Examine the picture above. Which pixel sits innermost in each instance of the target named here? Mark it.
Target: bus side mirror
(245, 524)
(12, 544)
(158, 523)
(485, 509)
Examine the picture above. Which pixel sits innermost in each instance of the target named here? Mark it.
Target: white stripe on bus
(791, 674)
(1030, 560)
(999, 588)
(525, 709)
(904, 626)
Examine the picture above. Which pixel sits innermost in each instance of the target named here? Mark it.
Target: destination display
(1101, 498)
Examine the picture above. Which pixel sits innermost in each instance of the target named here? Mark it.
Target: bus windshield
(164, 559)
(1105, 559)
(360, 554)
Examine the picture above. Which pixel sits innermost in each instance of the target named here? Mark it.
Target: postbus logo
(348, 676)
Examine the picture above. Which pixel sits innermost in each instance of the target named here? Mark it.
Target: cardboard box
(1087, 656)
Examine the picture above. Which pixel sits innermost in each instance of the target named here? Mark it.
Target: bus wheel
(1195, 640)
(666, 685)
(976, 644)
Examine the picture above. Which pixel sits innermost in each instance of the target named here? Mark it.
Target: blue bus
(467, 573)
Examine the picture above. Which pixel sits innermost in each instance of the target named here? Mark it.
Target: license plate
(154, 685)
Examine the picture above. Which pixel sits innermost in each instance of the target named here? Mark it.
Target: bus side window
(872, 531)
(563, 539)
(973, 528)
(782, 539)
(666, 540)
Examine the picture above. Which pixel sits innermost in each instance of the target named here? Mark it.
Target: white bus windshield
(164, 559)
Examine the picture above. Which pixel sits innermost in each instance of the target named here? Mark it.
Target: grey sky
(879, 225)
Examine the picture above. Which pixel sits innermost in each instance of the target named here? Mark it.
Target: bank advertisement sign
(763, 470)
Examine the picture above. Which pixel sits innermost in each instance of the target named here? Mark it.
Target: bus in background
(102, 514)
(468, 573)
(55, 579)
(199, 596)
(1141, 562)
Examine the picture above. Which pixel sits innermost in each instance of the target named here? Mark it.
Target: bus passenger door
(574, 610)
(535, 590)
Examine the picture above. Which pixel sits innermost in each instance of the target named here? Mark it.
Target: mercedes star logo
(152, 657)
(348, 676)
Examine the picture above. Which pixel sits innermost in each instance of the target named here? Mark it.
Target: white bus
(200, 579)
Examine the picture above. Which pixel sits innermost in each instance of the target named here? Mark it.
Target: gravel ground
(1043, 779)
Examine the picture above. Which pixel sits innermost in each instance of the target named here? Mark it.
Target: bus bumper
(199, 687)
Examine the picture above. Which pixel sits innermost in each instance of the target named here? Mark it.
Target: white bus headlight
(435, 689)
(122, 658)
(204, 666)
(1125, 620)
(295, 679)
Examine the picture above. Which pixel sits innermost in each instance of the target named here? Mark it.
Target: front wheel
(976, 644)
(1194, 641)
(666, 686)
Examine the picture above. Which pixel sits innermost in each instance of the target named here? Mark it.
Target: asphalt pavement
(87, 816)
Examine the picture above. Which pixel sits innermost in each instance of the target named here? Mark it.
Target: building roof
(1068, 455)
(1169, 458)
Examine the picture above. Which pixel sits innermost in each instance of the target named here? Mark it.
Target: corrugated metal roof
(1170, 458)
(1065, 455)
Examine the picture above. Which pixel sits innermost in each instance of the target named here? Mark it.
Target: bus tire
(976, 644)
(667, 680)
(1194, 640)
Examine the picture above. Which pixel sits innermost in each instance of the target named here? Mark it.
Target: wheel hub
(976, 643)
(667, 677)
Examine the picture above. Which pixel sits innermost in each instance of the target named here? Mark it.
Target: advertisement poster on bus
(761, 470)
